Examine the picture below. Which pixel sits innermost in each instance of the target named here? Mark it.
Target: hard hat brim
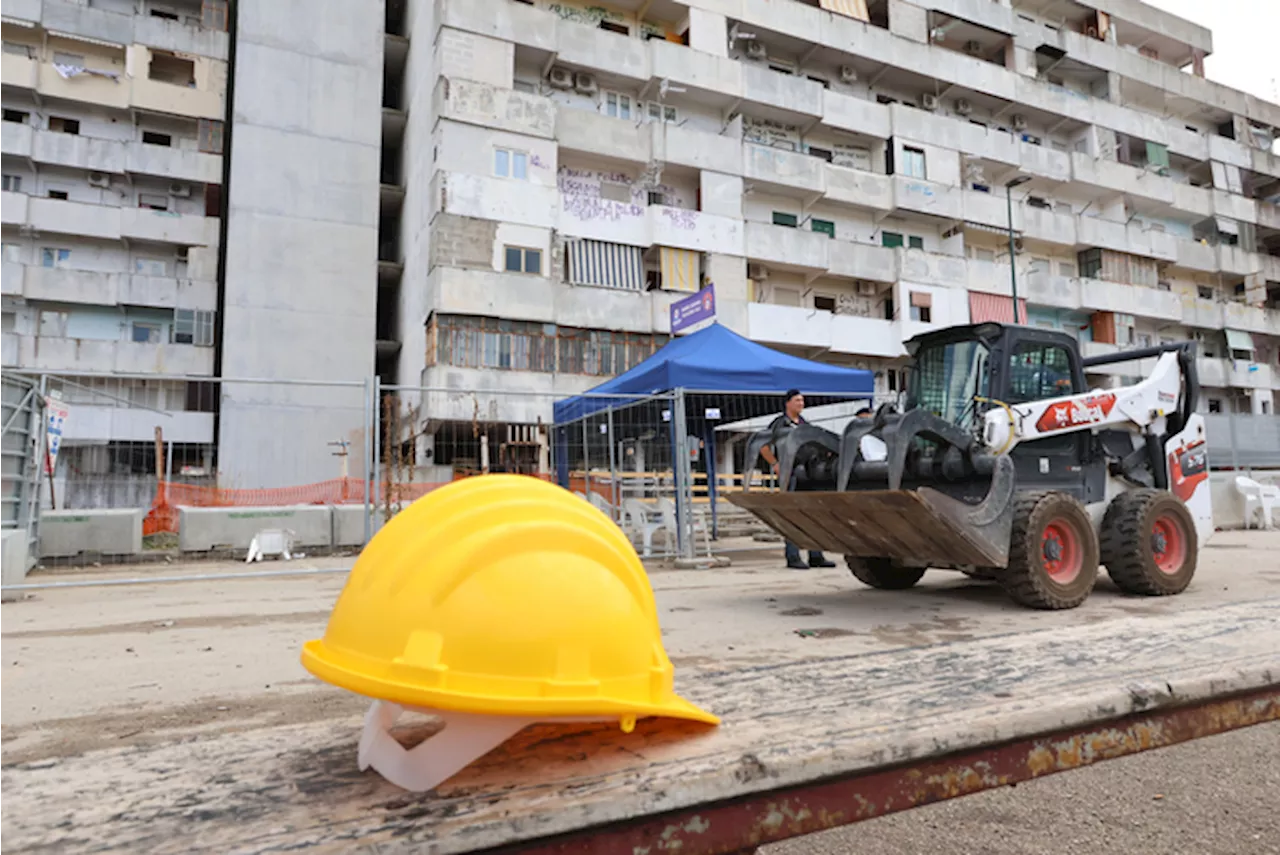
(317, 659)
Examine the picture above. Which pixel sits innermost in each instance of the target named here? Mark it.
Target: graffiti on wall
(591, 16)
(771, 133)
(580, 190)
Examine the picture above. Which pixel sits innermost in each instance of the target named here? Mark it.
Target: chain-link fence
(661, 466)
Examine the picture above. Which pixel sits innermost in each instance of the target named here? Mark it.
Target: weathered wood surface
(296, 787)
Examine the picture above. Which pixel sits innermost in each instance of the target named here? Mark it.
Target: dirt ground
(96, 667)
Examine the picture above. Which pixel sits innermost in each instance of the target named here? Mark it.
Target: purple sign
(693, 309)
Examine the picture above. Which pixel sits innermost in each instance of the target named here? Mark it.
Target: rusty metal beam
(738, 826)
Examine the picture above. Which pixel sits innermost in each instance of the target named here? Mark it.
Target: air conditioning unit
(1018, 245)
(928, 101)
(755, 50)
(848, 74)
(560, 78)
(179, 189)
(1018, 121)
(757, 272)
(182, 254)
(99, 179)
(963, 106)
(973, 47)
(867, 289)
(585, 84)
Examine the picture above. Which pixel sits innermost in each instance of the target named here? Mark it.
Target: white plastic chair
(669, 522)
(644, 520)
(602, 503)
(1258, 498)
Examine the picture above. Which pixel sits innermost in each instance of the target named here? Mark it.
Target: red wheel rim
(1168, 544)
(1061, 552)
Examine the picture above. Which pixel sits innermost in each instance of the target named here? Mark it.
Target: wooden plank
(785, 724)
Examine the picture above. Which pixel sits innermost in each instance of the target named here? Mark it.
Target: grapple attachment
(922, 527)
(822, 448)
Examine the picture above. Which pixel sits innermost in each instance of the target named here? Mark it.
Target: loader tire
(883, 573)
(1053, 552)
(1149, 543)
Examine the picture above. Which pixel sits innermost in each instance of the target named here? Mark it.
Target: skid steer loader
(1004, 465)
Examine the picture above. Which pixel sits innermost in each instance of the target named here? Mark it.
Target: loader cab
(960, 372)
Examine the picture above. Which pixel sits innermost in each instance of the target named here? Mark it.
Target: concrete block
(348, 524)
(203, 529)
(109, 532)
(13, 560)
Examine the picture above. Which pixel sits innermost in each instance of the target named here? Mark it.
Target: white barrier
(13, 560)
(66, 534)
(348, 524)
(205, 529)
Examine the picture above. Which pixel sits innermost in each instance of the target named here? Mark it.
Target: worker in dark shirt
(792, 407)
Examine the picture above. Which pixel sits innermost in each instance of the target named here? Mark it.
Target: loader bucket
(922, 527)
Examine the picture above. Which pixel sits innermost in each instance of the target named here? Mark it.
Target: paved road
(1214, 796)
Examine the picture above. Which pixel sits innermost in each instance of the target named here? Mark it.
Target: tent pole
(681, 472)
(613, 468)
(586, 463)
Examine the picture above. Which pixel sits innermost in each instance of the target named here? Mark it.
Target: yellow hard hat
(501, 595)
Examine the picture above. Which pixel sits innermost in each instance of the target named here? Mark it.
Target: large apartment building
(844, 172)
(509, 194)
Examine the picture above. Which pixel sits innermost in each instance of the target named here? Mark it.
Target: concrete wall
(301, 254)
(14, 560)
(204, 529)
(108, 532)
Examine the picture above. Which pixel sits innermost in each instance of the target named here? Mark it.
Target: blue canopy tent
(712, 363)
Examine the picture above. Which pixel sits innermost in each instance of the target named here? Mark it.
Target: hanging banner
(693, 309)
(56, 412)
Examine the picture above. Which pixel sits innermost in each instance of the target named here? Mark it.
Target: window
(788, 220)
(471, 342)
(54, 257)
(16, 49)
(984, 254)
(52, 323)
(151, 266)
(827, 227)
(1039, 202)
(1090, 263)
(915, 242)
(508, 163)
(820, 153)
(209, 134)
(153, 201)
(13, 252)
(620, 29)
(657, 198)
(612, 191)
(145, 333)
(528, 87)
(1204, 293)
(193, 326)
(57, 194)
(153, 138)
(1039, 371)
(824, 303)
(170, 68)
(825, 84)
(1067, 269)
(981, 188)
(1215, 405)
(913, 162)
(781, 67)
(12, 183)
(73, 60)
(890, 239)
(617, 105)
(64, 126)
(18, 116)
(523, 260)
(662, 113)
(922, 306)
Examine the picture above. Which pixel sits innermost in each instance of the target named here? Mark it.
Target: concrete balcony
(597, 134)
(1201, 314)
(500, 19)
(168, 292)
(927, 197)
(1121, 178)
(59, 216)
(168, 227)
(19, 71)
(1229, 151)
(181, 164)
(16, 140)
(990, 209)
(90, 287)
(1235, 374)
(782, 172)
(1051, 226)
(495, 107)
(696, 149)
(805, 327)
(1043, 161)
(1238, 316)
(1132, 239)
(584, 216)
(1037, 288)
(856, 114)
(11, 278)
(14, 208)
(1189, 144)
(78, 354)
(1269, 215)
(1135, 300)
(86, 88)
(1195, 200)
(931, 268)
(1233, 205)
(1265, 162)
(1234, 260)
(717, 77)
(127, 424)
(789, 92)
(1193, 255)
(69, 286)
(78, 152)
(179, 37)
(697, 230)
(178, 100)
(488, 198)
(863, 261)
(788, 248)
(614, 54)
(857, 188)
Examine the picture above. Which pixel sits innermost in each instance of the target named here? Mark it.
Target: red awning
(994, 307)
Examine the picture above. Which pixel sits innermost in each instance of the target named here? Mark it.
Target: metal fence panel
(1243, 440)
